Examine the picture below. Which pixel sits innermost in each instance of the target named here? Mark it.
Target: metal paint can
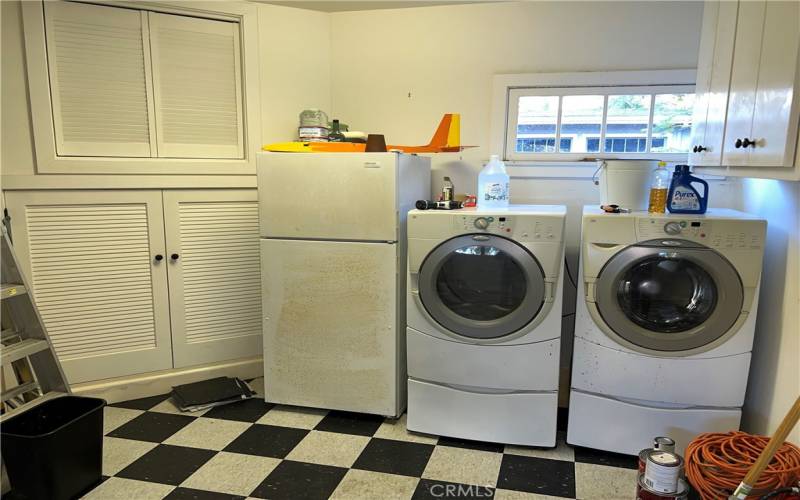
(659, 443)
(662, 471)
(645, 493)
(664, 443)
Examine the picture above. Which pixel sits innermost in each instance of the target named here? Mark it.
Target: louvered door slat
(101, 294)
(197, 86)
(215, 286)
(99, 65)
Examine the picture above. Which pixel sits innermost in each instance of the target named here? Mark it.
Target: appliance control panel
(508, 225)
(712, 233)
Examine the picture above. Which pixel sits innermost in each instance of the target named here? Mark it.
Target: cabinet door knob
(738, 143)
(694, 149)
(174, 256)
(700, 149)
(747, 143)
(159, 257)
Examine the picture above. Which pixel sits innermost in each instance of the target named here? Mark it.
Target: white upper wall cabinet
(777, 99)
(197, 87)
(713, 82)
(134, 88)
(748, 90)
(99, 81)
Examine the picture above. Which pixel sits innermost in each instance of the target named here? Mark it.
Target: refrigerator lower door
(331, 326)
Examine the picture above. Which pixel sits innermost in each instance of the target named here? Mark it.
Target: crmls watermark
(460, 491)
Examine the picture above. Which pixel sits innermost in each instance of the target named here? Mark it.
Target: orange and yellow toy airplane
(447, 139)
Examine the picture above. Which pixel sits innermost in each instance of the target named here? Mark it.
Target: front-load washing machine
(664, 326)
(484, 323)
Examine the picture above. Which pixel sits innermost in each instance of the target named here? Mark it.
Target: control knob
(481, 223)
(672, 228)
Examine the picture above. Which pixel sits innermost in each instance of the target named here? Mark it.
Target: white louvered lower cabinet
(135, 281)
(214, 274)
(90, 257)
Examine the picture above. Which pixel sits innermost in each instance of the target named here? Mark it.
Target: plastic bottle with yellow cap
(659, 187)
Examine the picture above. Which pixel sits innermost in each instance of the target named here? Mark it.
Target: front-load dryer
(484, 323)
(664, 326)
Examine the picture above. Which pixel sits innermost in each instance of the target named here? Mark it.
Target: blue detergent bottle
(683, 196)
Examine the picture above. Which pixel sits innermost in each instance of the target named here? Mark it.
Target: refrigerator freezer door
(330, 325)
(336, 196)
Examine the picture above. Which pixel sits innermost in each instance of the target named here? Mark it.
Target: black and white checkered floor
(259, 450)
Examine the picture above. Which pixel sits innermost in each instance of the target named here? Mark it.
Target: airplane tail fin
(448, 134)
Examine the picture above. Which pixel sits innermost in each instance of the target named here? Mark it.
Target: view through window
(615, 121)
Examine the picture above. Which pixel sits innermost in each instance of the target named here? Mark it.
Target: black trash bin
(55, 450)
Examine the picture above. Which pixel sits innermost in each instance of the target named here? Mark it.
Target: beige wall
(295, 69)
(445, 58)
(294, 74)
(775, 369)
(16, 141)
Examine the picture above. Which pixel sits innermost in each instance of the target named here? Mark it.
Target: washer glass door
(669, 295)
(665, 294)
(481, 286)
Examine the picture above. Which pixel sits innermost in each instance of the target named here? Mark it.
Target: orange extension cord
(717, 462)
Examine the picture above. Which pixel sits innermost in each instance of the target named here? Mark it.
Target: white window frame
(47, 159)
(508, 88)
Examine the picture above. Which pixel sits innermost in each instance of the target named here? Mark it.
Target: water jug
(493, 185)
(683, 196)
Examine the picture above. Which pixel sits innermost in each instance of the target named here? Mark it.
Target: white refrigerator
(333, 263)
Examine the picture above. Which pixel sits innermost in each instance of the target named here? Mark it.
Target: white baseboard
(144, 385)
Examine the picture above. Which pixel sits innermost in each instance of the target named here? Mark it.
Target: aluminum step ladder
(31, 373)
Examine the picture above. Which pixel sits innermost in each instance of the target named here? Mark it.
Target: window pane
(536, 124)
(672, 123)
(581, 115)
(626, 123)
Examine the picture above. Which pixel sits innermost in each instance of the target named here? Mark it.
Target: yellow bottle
(658, 189)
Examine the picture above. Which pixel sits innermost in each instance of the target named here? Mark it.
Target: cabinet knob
(700, 149)
(159, 257)
(174, 256)
(748, 142)
(737, 144)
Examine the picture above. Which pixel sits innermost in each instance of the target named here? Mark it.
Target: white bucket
(625, 182)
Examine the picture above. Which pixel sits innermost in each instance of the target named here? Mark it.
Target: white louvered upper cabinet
(91, 259)
(197, 87)
(99, 60)
(135, 90)
(214, 274)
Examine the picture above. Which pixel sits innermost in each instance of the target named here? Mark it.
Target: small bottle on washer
(447, 190)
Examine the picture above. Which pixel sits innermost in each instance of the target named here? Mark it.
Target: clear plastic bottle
(659, 188)
(493, 185)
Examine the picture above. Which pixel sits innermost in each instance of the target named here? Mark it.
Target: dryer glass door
(481, 286)
(674, 297)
